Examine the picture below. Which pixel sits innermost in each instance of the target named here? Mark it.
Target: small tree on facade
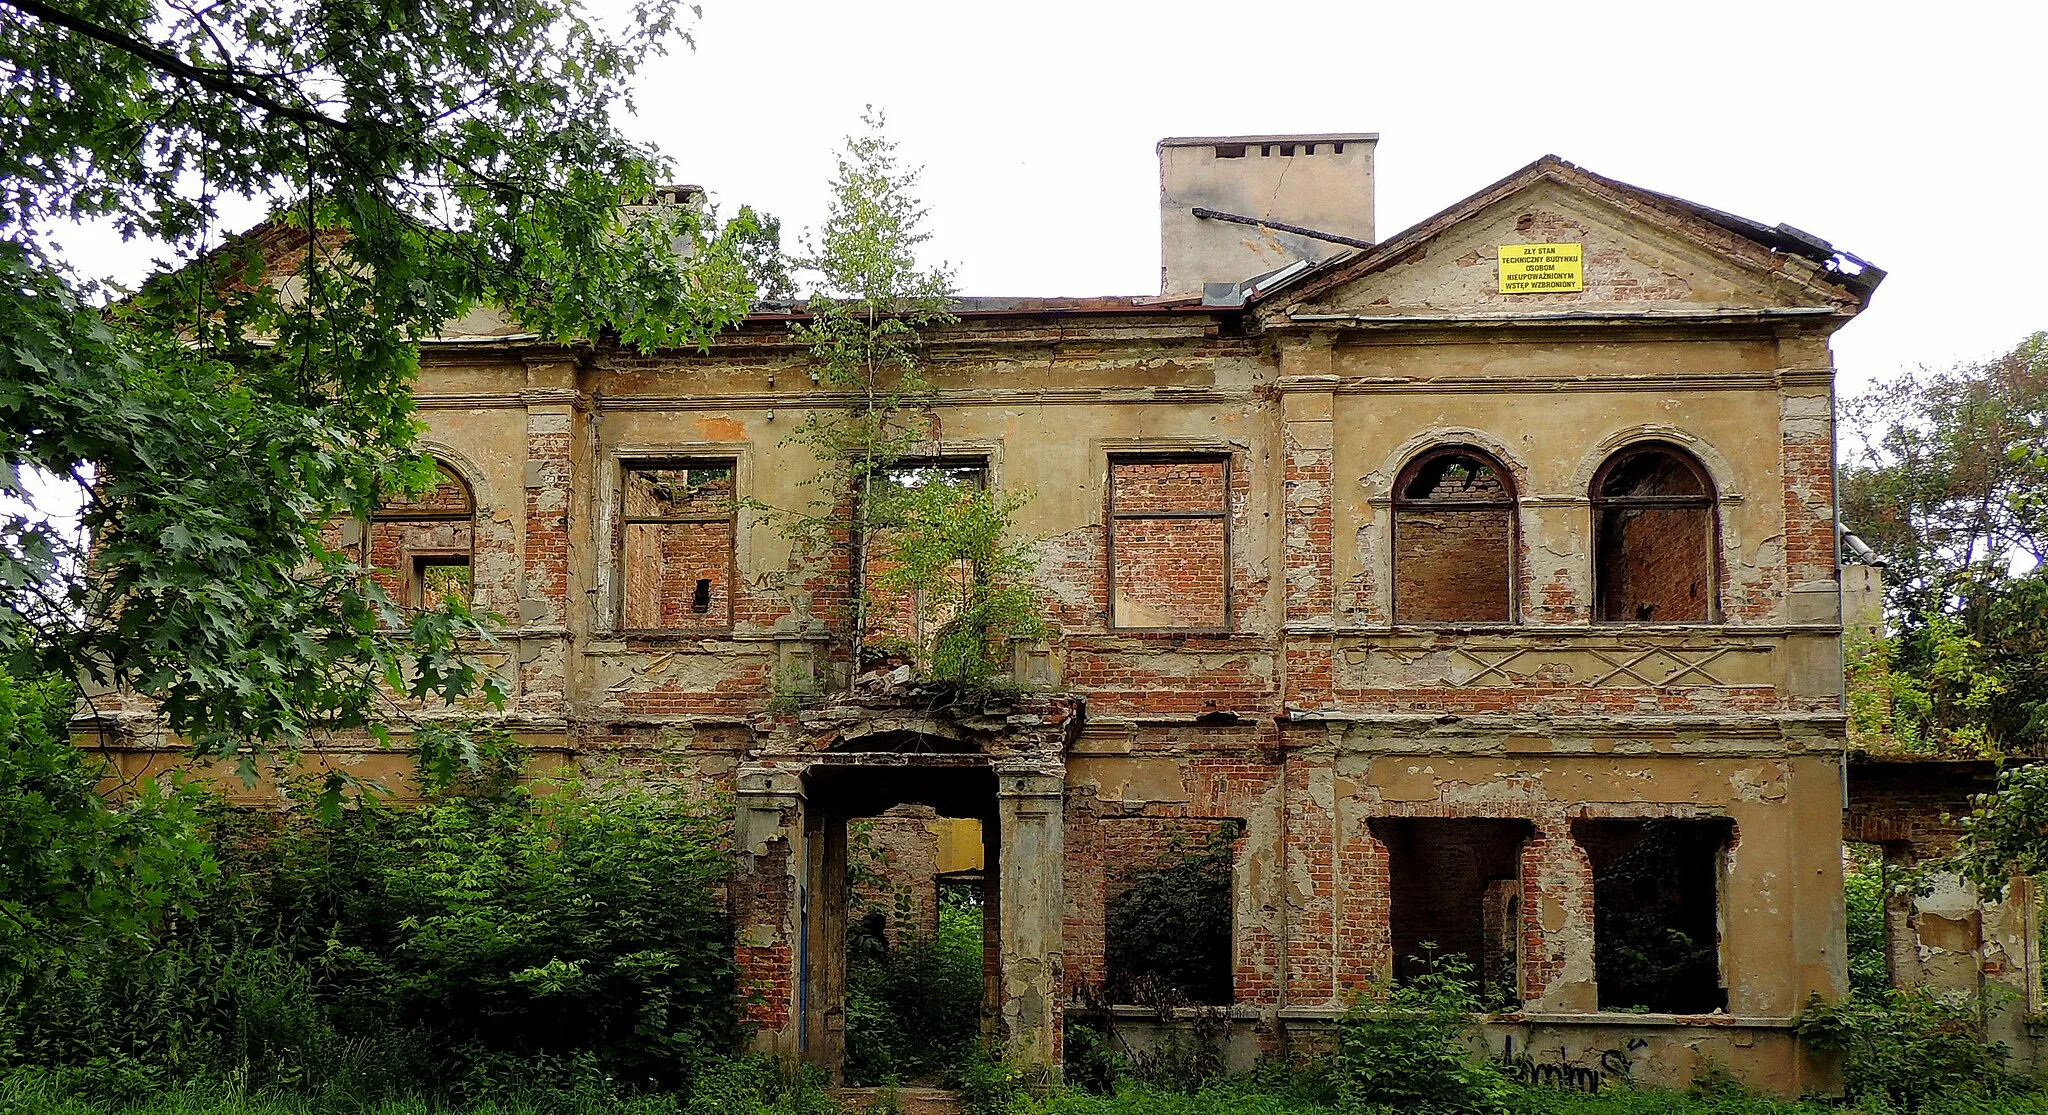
(930, 545)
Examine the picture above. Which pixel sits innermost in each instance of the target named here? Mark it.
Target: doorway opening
(903, 962)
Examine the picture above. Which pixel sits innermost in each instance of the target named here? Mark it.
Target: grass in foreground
(31, 1094)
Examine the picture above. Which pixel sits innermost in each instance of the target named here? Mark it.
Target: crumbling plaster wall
(1149, 386)
(1950, 939)
(1312, 715)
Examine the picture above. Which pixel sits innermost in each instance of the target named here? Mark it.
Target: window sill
(1185, 1013)
(1168, 633)
(666, 636)
(1716, 1020)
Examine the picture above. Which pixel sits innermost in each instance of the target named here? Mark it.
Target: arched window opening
(1653, 514)
(421, 547)
(1454, 540)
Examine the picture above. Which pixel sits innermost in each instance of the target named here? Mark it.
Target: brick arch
(472, 475)
(1379, 483)
(1719, 469)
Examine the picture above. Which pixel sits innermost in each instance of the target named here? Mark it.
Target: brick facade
(1408, 710)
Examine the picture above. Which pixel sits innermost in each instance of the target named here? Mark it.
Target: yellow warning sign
(1534, 268)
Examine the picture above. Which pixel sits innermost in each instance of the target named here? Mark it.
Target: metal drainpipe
(1286, 882)
(1841, 589)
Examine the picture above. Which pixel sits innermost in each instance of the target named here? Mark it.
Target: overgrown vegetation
(942, 579)
(1866, 887)
(913, 997)
(1167, 925)
(492, 940)
(1407, 1048)
(1906, 1049)
(913, 1004)
(1949, 487)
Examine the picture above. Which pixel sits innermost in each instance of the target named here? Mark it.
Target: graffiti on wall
(1585, 1073)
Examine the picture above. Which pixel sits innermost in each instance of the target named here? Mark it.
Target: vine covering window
(676, 546)
(421, 548)
(1653, 516)
(1454, 539)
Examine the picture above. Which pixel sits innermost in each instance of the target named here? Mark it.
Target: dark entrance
(839, 795)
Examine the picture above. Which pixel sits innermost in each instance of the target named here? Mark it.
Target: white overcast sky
(1915, 136)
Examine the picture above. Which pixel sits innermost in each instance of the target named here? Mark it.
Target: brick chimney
(1311, 183)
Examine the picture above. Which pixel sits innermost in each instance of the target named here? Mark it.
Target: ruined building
(1474, 590)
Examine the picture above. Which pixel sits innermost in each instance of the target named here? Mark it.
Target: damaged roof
(1854, 277)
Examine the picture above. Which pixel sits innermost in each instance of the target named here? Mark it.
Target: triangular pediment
(1641, 253)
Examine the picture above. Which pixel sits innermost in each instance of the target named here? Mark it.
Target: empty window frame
(1654, 538)
(1169, 910)
(676, 545)
(903, 616)
(1455, 894)
(1454, 539)
(1656, 912)
(1169, 543)
(421, 548)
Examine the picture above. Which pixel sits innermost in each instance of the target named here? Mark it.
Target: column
(1032, 859)
(768, 892)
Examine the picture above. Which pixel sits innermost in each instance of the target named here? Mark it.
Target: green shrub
(1909, 1048)
(913, 1006)
(1092, 1062)
(1864, 887)
(1408, 1048)
(523, 941)
(549, 922)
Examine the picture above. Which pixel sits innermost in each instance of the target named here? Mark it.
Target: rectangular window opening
(1169, 543)
(1230, 150)
(1656, 564)
(676, 546)
(1454, 565)
(438, 578)
(904, 617)
(1169, 910)
(1656, 912)
(1455, 890)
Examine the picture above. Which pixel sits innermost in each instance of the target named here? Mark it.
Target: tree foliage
(940, 542)
(416, 161)
(80, 877)
(1949, 486)
(492, 939)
